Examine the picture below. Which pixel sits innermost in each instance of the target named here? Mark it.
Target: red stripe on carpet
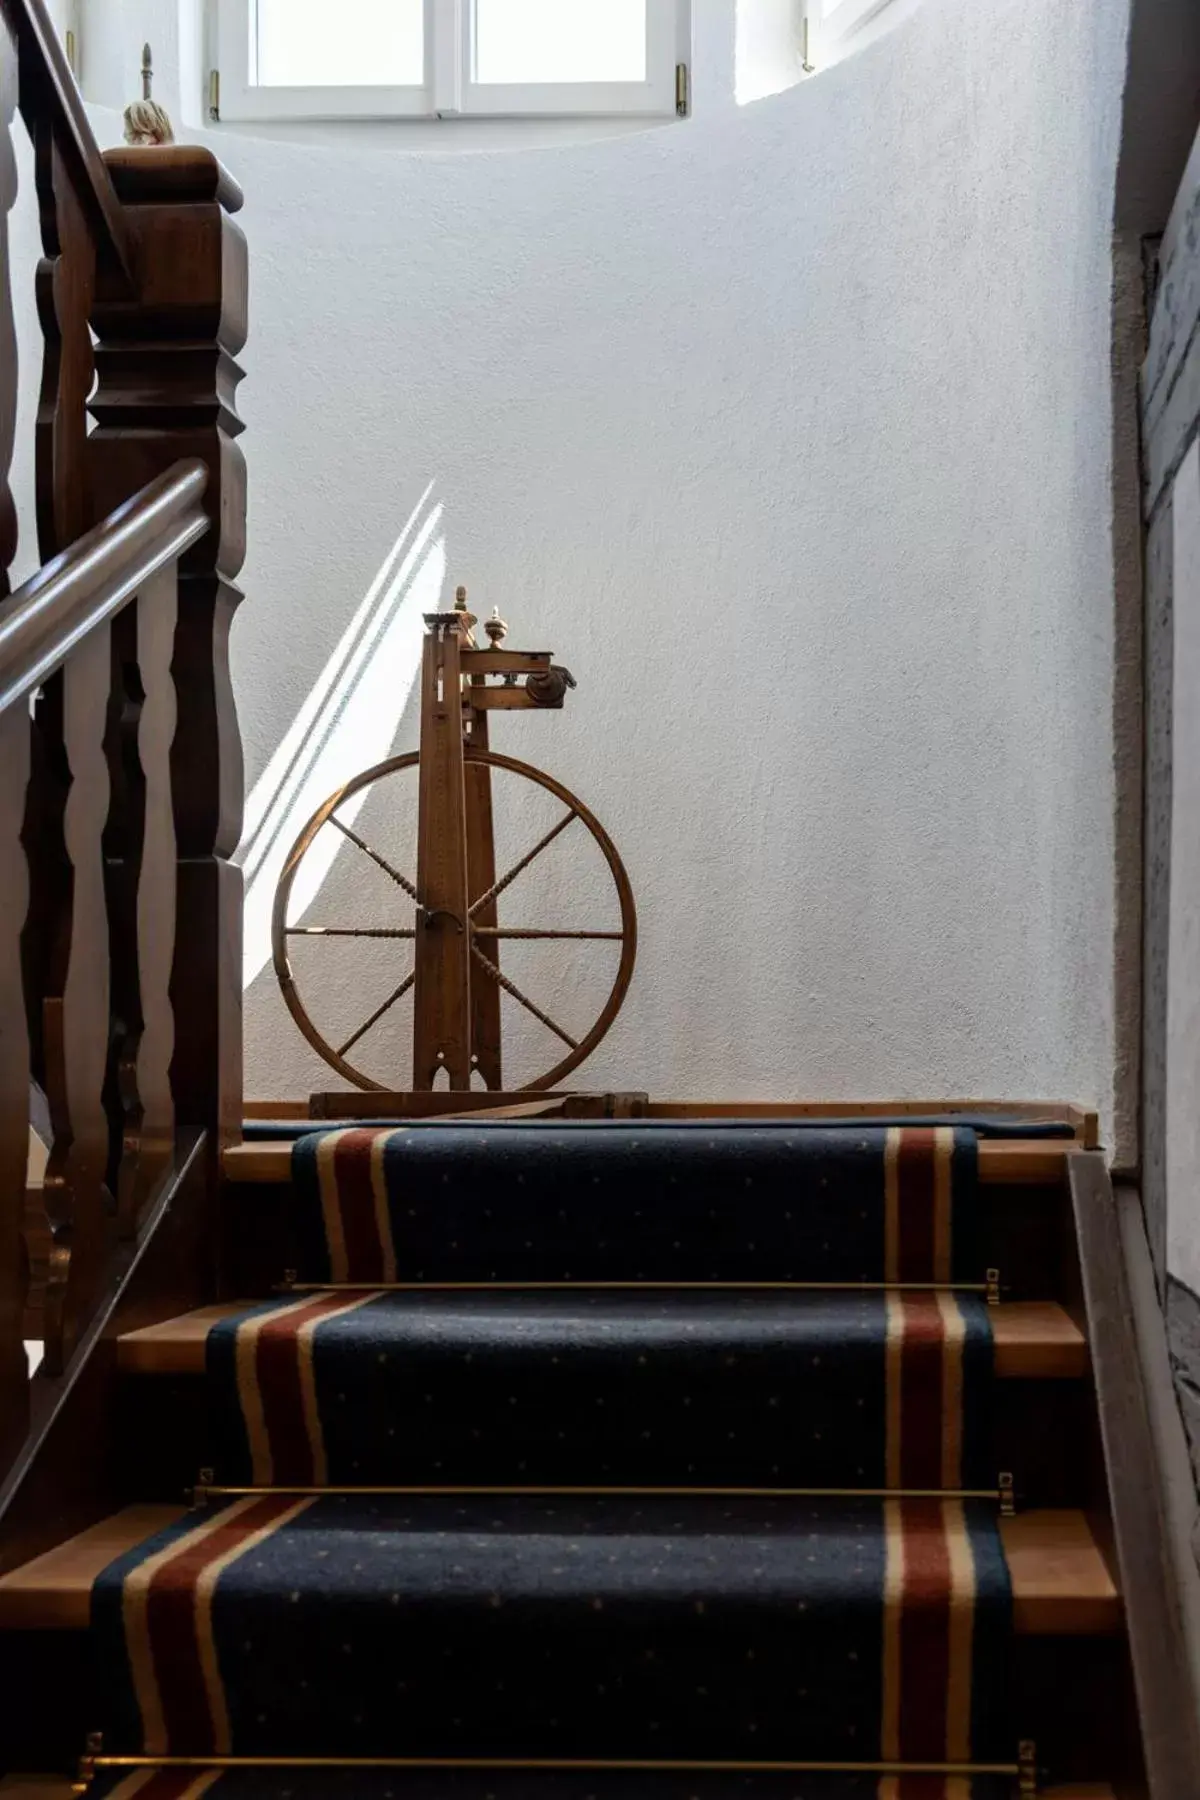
(921, 1392)
(171, 1625)
(916, 1201)
(277, 1371)
(356, 1203)
(924, 1632)
(169, 1784)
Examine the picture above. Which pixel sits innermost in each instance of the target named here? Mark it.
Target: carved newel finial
(496, 629)
(468, 617)
(145, 121)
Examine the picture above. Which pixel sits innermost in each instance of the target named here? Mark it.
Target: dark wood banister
(120, 768)
(47, 86)
(82, 587)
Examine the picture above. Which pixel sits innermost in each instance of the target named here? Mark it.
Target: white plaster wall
(1183, 954)
(767, 48)
(788, 429)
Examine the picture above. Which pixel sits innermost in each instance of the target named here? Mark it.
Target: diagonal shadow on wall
(347, 722)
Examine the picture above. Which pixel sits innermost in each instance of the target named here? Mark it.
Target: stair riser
(1072, 1698)
(1024, 1229)
(1042, 1431)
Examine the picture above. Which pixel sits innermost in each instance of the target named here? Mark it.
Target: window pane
(354, 43)
(560, 40)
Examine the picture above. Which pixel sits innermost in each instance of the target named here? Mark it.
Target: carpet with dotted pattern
(593, 1353)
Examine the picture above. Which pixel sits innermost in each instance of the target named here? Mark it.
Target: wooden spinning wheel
(455, 929)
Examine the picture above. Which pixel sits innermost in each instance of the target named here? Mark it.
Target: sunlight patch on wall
(767, 48)
(347, 722)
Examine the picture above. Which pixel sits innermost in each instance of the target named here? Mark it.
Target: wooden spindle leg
(139, 849)
(65, 286)
(481, 877)
(8, 330)
(79, 1205)
(14, 1083)
(14, 887)
(157, 614)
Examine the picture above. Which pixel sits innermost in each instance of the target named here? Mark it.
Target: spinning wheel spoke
(353, 931)
(512, 931)
(498, 887)
(478, 947)
(510, 987)
(381, 861)
(397, 994)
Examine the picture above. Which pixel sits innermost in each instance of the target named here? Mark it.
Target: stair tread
(54, 1589)
(1061, 1584)
(1034, 1339)
(56, 1787)
(1023, 1161)
(35, 1787)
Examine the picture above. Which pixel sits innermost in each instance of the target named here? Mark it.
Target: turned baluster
(66, 938)
(14, 760)
(139, 848)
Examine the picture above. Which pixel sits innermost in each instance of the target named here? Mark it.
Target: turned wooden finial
(465, 615)
(145, 121)
(496, 629)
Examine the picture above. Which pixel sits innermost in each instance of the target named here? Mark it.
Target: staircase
(669, 1495)
(601, 1549)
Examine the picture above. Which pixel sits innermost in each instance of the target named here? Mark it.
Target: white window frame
(835, 20)
(449, 90)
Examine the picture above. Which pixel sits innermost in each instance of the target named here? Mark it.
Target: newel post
(166, 389)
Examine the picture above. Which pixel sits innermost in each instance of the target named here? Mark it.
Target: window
(835, 20)
(341, 59)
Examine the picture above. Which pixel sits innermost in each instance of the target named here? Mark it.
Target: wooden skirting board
(1061, 1583)
(1027, 1162)
(1035, 1340)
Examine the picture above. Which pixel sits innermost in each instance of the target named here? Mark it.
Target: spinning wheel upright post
(456, 980)
(442, 996)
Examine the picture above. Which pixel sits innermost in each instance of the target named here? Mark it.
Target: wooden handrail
(47, 85)
(58, 606)
(1149, 1480)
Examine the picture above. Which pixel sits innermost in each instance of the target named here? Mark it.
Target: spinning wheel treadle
(456, 933)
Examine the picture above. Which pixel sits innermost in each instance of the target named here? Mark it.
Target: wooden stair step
(56, 1787)
(53, 1591)
(1035, 1340)
(1061, 1584)
(1027, 1162)
(35, 1787)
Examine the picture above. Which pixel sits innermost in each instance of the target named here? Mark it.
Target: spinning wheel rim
(493, 759)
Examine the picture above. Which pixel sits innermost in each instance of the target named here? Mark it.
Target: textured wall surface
(788, 429)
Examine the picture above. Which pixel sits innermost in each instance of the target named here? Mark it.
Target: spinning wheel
(450, 912)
